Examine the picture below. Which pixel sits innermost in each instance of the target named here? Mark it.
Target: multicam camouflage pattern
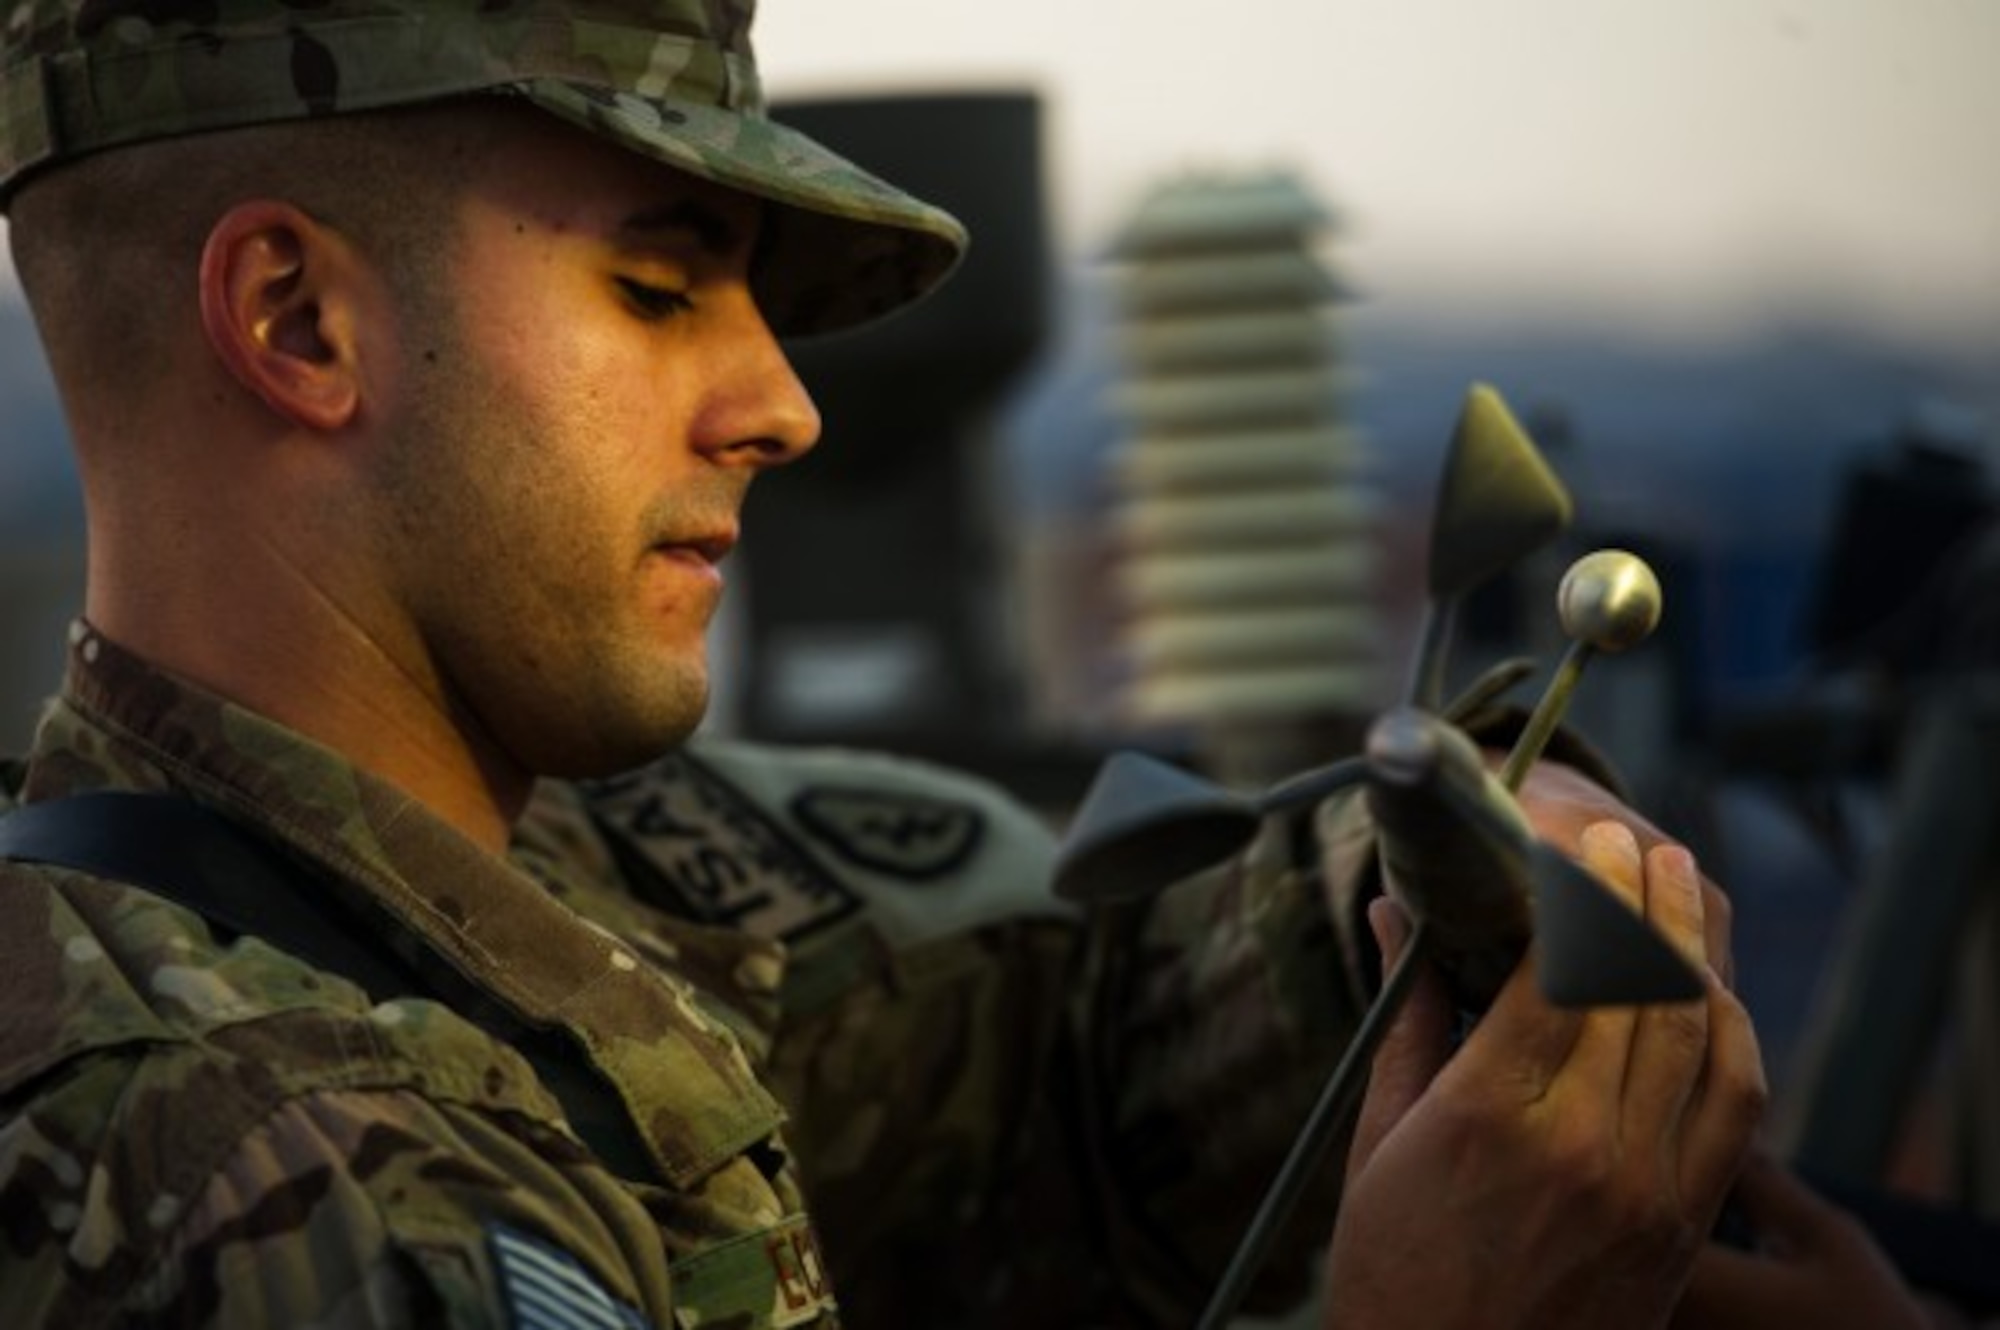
(1003, 1115)
(925, 1000)
(674, 80)
(218, 1135)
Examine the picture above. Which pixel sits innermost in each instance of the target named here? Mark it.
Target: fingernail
(1679, 861)
(1610, 840)
(1673, 866)
(1671, 871)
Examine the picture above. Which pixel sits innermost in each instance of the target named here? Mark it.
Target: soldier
(417, 356)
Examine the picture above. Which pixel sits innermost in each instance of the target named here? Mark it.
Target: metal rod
(1548, 713)
(1336, 1104)
(1312, 786)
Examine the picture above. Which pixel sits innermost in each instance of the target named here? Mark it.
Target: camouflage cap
(674, 80)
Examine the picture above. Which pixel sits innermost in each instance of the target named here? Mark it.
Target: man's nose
(761, 413)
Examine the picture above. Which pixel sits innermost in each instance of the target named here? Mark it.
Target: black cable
(1336, 1104)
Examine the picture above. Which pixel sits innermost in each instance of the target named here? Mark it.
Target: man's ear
(281, 304)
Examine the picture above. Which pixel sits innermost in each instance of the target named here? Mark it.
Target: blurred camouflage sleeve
(1212, 1017)
(1006, 1112)
(926, 990)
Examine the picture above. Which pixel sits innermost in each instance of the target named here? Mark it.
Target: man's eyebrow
(711, 230)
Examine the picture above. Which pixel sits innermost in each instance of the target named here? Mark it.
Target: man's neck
(319, 676)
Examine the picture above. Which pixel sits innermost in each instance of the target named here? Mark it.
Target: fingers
(1417, 1044)
(1676, 904)
(1726, 1099)
(1671, 1041)
(1521, 1044)
(1603, 1051)
(1715, 914)
(1727, 1106)
(1695, 1083)
(1686, 1078)
(1561, 803)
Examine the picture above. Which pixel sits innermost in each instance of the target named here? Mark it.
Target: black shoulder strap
(240, 882)
(176, 848)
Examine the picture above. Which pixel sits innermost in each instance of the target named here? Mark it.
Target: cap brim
(845, 248)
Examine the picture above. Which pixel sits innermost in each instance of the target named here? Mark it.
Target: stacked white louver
(1245, 508)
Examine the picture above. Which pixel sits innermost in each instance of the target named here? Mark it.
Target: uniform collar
(123, 723)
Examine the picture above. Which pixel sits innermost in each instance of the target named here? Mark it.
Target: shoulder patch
(545, 1288)
(695, 845)
(911, 836)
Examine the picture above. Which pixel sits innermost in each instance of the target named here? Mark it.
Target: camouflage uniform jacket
(1001, 1112)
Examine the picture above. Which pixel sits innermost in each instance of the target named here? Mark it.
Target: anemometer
(1455, 849)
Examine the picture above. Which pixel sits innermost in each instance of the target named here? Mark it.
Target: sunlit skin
(571, 445)
(466, 530)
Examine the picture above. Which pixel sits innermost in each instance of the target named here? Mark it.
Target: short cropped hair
(108, 248)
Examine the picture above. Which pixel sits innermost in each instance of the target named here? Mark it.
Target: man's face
(578, 408)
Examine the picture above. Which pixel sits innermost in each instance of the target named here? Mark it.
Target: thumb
(1416, 1046)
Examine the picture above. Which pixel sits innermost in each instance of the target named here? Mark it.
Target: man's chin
(613, 747)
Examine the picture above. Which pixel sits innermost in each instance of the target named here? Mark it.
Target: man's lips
(711, 545)
(708, 549)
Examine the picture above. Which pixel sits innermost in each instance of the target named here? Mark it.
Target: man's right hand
(1563, 1168)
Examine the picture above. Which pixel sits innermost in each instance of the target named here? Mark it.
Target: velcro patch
(696, 846)
(911, 836)
(545, 1288)
(776, 1278)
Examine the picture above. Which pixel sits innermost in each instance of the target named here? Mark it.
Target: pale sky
(1684, 161)
(1692, 164)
